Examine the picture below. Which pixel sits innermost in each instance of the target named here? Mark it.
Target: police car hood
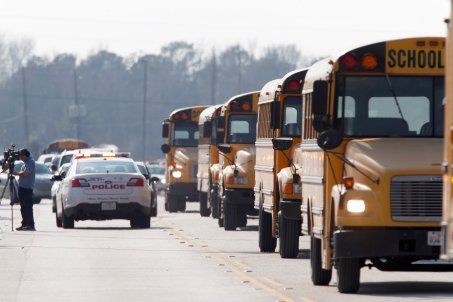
(392, 156)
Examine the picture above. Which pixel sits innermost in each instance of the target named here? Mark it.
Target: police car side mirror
(56, 178)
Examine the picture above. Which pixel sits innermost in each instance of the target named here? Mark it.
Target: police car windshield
(367, 107)
(105, 167)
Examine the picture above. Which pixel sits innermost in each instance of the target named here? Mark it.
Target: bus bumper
(240, 197)
(381, 243)
(184, 190)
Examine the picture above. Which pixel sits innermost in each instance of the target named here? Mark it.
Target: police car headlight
(176, 174)
(356, 206)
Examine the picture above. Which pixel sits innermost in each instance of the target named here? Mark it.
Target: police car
(103, 187)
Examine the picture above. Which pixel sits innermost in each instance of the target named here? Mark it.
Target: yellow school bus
(277, 184)
(371, 152)
(208, 162)
(447, 166)
(180, 130)
(237, 125)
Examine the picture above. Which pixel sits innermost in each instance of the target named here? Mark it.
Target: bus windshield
(242, 129)
(292, 117)
(184, 134)
(378, 106)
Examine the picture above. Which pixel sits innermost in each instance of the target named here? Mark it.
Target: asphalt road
(183, 257)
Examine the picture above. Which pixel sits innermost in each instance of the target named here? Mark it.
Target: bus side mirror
(165, 130)
(221, 122)
(282, 143)
(207, 129)
(329, 139)
(275, 115)
(219, 137)
(165, 148)
(225, 149)
(319, 105)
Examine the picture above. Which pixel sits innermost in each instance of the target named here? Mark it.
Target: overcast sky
(316, 27)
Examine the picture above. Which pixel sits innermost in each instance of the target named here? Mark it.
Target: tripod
(11, 183)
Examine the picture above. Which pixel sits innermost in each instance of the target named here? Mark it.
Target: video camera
(9, 157)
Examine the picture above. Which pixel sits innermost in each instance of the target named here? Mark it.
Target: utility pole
(25, 107)
(214, 78)
(76, 103)
(239, 70)
(145, 92)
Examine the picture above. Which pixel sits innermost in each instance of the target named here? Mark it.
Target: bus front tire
(348, 273)
(267, 243)
(172, 203)
(319, 276)
(242, 218)
(215, 206)
(288, 230)
(230, 217)
(204, 210)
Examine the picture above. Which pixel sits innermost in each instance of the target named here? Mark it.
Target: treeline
(111, 93)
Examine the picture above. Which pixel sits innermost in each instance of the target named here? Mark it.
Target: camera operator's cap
(24, 152)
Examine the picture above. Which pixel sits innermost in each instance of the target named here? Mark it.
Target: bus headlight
(356, 206)
(176, 174)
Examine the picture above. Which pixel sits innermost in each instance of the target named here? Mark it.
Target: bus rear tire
(319, 276)
(204, 210)
(267, 243)
(288, 230)
(348, 272)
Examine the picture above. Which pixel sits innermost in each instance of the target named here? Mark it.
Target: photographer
(26, 184)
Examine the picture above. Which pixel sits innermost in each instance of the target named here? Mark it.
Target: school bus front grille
(416, 198)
